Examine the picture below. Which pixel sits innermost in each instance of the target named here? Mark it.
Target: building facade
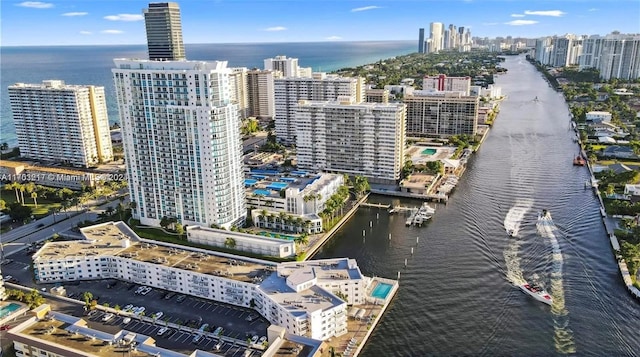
(441, 114)
(442, 82)
(240, 90)
(332, 134)
(181, 140)
(62, 123)
(287, 66)
(164, 32)
(421, 40)
(436, 35)
(321, 87)
(299, 296)
(260, 91)
(376, 96)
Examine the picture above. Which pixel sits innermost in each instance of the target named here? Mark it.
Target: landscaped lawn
(611, 162)
(44, 205)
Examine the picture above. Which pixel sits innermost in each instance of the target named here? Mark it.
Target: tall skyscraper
(61, 123)
(164, 32)
(240, 90)
(181, 140)
(421, 41)
(261, 103)
(180, 134)
(332, 133)
(436, 36)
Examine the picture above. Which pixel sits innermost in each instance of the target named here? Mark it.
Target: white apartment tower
(364, 139)
(288, 66)
(441, 114)
(182, 141)
(260, 93)
(321, 87)
(436, 30)
(61, 123)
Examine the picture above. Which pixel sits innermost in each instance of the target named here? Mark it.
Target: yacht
(511, 232)
(536, 292)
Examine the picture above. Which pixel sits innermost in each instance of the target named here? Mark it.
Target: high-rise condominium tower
(61, 123)
(421, 41)
(436, 37)
(164, 32)
(181, 141)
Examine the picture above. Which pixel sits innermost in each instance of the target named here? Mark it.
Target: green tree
(179, 230)
(435, 167)
(34, 196)
(19, 212)
(34, 299)
(3, 205)
(230, 243)
(87, 297)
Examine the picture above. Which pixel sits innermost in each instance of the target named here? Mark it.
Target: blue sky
(87, 22)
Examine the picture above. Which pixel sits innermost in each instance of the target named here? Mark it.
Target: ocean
(91, 65)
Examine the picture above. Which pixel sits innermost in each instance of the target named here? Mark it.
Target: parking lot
(191, 312)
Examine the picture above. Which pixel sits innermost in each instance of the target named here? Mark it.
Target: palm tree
(34, 195)
(14, 186)
(87, 296)
(301, 239)
(22, 188)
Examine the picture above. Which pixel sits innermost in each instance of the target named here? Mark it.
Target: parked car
(197, 338)
(158, 314)
(162, 331)
(7, 278)
(218, 346)
(126, 320)
(181, 298)
(107, 317)
(128, 308)
(203, 327)
(218, 331)
(251, 317)
(254, 339)
(169, 295)
(262, 340)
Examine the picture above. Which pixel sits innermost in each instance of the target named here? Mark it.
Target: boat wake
(512, 223)
(514, 217)
(563, 335)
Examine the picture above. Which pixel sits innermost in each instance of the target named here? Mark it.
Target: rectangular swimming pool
(381, 291)
(429, 151)
(262, 192)
(4, 311)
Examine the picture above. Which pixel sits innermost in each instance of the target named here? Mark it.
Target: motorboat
(511, 232)
(537, 292)
(544, 215)
(579, 161)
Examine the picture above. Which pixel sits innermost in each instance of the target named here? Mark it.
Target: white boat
(536, 292)
(544, 215)
(511, 232)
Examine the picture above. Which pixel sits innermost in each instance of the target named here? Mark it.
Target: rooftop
(62, 333)
(298, 303)
(117, 239)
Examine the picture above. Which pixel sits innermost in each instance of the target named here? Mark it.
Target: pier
(372, 204)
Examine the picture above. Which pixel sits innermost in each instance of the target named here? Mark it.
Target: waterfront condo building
(164, 32)
(441, 114)
(436, 37)
(260, 93)
(63, 123)
(181, 140)
(376, 96)
(320, 87)
(365, 139)
(306, 298)
(443, 83)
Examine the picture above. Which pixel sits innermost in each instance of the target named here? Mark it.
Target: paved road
(13, 243)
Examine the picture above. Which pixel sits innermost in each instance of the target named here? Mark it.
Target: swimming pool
(5, 311)
(381, 291)
(278, 236)
(277, 185)
(429, 151)
(262, 192)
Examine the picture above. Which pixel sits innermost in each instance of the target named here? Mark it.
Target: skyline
(36, 23)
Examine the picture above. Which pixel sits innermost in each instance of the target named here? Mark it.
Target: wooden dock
(372, 204)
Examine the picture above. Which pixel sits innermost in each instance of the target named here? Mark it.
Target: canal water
(457, 293)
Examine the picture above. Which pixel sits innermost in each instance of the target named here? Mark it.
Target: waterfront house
(620, 152)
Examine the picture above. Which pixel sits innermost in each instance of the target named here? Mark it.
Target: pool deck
(19, 311)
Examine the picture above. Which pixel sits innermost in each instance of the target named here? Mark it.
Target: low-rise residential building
(617, 151)
(376, 96)
(418, 183)
(50, 176)
(281, 221)
(598, 117)
(297, 194)
(281, 248)
(307, 298)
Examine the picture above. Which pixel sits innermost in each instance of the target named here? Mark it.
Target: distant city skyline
(29, 23)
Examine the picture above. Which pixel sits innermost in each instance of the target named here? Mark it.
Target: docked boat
(579, 161)
(536, 292)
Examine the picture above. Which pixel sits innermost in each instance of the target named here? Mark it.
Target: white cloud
(521, 22)
(593, 9)
(125, 17)
(112, 32)
(36, 4)
(365, 8)
(275, 28)
(333, 38)
(75, 14)
(554, 13)
(517, 15)
(86, 33)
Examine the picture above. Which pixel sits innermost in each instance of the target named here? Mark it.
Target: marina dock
(372, 204)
